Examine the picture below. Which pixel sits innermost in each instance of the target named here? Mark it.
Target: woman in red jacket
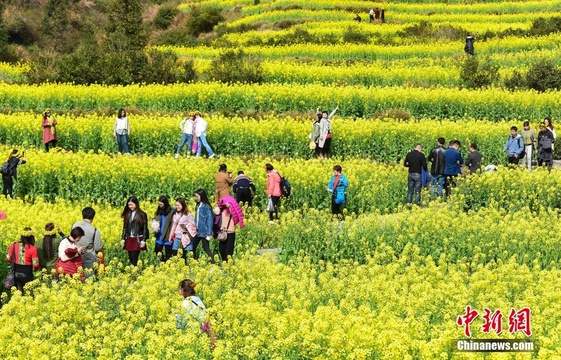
(49, 130)
(273, 192)
(23, 255)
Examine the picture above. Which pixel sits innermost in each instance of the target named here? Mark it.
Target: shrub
(203, 20)
(475, 75)
(541, 26)
(356, 37)
(515, 81)
(236, 66)
(544, 75)
(165, 16)
(177, 36)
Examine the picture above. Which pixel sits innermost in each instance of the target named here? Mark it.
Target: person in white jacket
(200, 131)
(325, 132)
(122, 131)
(187, 126)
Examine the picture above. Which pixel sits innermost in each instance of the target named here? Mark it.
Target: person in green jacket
(48, 247)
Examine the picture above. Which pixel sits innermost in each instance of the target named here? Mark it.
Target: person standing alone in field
(10, 171)
(338, 188)
(468, 48)
(416, 162)
(122, 131)
(50, 135)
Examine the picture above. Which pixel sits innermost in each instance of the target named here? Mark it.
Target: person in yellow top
(49, 124)
(529, 137)
(224, 182)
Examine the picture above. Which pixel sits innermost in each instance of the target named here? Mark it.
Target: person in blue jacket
(453, 162)
(514, 146)
(204, 218)
(338, 188)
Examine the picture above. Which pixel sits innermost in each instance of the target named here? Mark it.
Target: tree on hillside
(125, 30)
(54, 24)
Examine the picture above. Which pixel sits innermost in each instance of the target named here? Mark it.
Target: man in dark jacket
(453, 162)
(416, 162)
(436, 157)
(244, 189)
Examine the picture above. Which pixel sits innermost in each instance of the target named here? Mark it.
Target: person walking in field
(187, 127)
(183, 221)
(122, 131)
(135, 229)
(274, 192)
(161, 228)
(204, 219)
(50, 135)
(545, 146)
(200, 132)
(10, 171)
(529, 138)
(223, 182)
(338, 188)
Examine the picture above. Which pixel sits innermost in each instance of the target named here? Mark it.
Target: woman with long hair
(163, 218)
(122, 131)
(182, 219)
(135, 229)
(47, 247)
(23, 256)
(50, 136)
(204, 219)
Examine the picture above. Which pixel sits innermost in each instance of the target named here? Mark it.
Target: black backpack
(5, 168)
(286, 189)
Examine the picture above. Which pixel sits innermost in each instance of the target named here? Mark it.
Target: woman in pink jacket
(273, 192)
(49, 130)
(231, 215)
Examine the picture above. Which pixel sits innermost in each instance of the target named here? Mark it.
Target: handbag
(155, 226)
(313, 145)
(270, 206)
(223, 234)
(10, 280)
(189, 234)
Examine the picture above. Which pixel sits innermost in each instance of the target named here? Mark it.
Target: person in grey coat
(91, 240)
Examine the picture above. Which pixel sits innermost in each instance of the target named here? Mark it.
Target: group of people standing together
(55, 251)
(447, 163)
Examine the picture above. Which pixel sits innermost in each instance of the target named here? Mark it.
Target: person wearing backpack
(514, 146)
(338, 188)
(545, 146)
(274, 192)
(10, 171)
